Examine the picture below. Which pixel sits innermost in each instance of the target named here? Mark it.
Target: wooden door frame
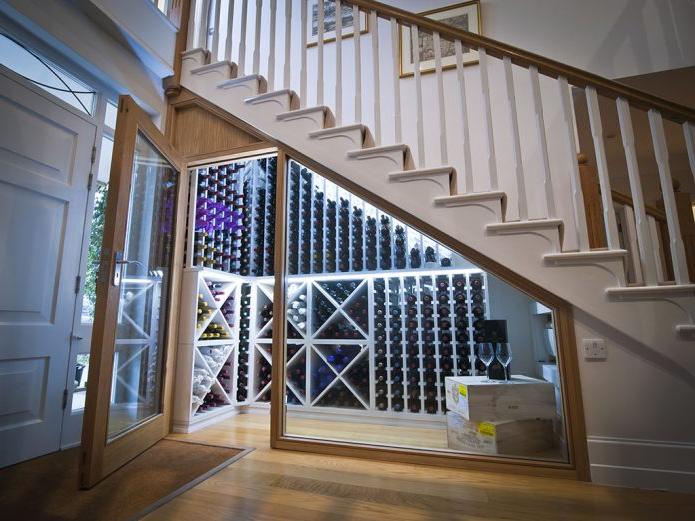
(99, 458)
(568, 364)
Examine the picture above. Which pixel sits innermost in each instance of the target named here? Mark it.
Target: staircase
(522, 209)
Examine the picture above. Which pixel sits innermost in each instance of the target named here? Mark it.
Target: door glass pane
(144, 291)
(405, 343)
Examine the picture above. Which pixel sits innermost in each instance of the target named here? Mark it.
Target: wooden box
(513, 438)
(480, 400)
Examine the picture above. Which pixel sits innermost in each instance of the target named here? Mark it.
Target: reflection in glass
(144, 291)
(393, 339)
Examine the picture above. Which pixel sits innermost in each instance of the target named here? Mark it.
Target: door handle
(118, 263)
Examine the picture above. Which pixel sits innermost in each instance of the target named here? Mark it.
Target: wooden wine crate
(480, 400)
(513, 437)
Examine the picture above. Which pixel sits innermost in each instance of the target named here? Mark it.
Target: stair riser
(430, 186)
(342, 142)
(192, 61)
(234, 95)
(305, 123)
(385, 161)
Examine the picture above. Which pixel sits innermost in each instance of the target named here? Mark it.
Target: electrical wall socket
(594, 349)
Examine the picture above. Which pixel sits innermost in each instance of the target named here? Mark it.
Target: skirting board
(647, 464)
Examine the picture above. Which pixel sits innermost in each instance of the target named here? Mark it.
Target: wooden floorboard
(284, 485)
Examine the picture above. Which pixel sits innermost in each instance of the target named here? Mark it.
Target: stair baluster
(242, 38)
(374, 22)
(204, 25)
(415, 43)
(303, 92)
(319, 53)
(679, 263)
(257, 38)
(230, 32)
(468, 186)
(444, 156)
(395, 57)
(609, 221)
(214, 51)
(286, 80)
(487, 118)
(338, 63)
(516, 143)
(542, 140)
(190, 37)
(358, 62)
(644, 239)
(271, 48)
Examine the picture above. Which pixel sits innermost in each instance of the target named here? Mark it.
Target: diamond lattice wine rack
(377, 314)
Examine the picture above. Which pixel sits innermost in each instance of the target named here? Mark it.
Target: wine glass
(486, 353)
(504, 355)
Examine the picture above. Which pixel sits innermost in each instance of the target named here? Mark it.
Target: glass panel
(144, 291)
(42, 72)
(111, 115)
(79, 393)
(406, 343)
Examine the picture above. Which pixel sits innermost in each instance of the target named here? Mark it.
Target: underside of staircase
(594, 282)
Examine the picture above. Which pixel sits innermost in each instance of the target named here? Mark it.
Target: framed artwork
(329, 17)
(464, 16)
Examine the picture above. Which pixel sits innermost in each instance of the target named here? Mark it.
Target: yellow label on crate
(486, 428)
(463, 390)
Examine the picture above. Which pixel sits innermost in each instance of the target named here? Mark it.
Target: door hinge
(78, 283)
(65, 398)
(90, 179)
(94, 153)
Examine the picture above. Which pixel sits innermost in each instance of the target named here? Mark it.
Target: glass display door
(130, 374)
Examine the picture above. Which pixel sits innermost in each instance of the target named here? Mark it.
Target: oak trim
(577, 77)
(99, 457)
(577, 468)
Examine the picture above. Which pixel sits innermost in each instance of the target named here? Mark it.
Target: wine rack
(232, 211)
(377, 314)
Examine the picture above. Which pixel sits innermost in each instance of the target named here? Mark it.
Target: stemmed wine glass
(504, 355)
(486, 353)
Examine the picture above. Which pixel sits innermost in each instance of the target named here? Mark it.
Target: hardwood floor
(284, 485)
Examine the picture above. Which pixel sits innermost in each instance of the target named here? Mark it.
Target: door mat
(46, 488)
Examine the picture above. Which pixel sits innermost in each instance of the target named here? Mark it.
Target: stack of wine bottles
(332, 231)
(235, 217)
(242, 393)
(422, 335)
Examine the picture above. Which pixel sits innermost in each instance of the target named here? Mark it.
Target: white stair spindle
(516, 142)
(415, 43)
(190, 36)
(271, 46)
(338, 62)
(611, 225)
(395, 62)
(319, 53)
(374, 22)
(689, 135)
(542, 141)
(215, 48)
(242, 37)
(257, 38)
(487, 118)
(358, 63)
(286, 81)
(230, 29)
(644, 239)
(444, 156)
(579, 211)
(204, 24)
(302, 70)
(467, 161)
(678, 259)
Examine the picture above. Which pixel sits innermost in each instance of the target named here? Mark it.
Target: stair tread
(377, 150)
(270, 95)
(422, 171)
(577, 256)
(454, 200)
(525, 225)
(239, 79)
(337, 130)
(214, 65)
(663, 291)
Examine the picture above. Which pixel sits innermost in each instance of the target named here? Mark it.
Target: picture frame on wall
(329, 18)
(464, 16)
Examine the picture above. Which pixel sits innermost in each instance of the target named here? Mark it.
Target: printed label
(463, 390)
(486, 428)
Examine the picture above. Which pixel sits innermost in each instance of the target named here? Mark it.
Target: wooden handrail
(625, 199)
(577, 77)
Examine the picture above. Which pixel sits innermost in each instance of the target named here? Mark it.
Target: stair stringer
(648, 322)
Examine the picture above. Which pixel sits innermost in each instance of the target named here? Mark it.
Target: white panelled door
(45, 161)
